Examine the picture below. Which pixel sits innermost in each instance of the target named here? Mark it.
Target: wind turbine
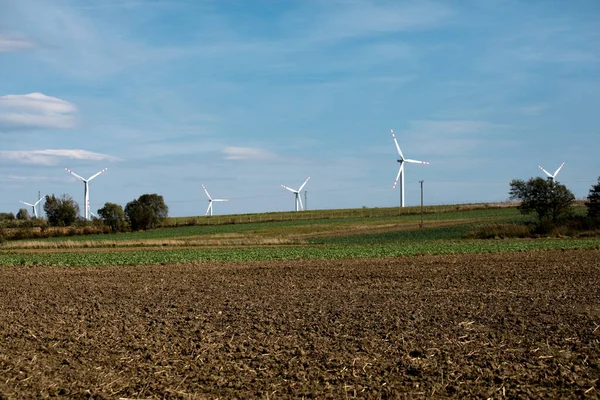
(400, 175)
(297, 193)
(34, 205)
(210, 201)
(87, 189)
(552, 176)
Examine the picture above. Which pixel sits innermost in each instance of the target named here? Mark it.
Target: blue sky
(244, 96)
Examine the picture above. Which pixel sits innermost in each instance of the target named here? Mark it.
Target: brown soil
(523, 325)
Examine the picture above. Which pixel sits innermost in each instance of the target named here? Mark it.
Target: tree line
(146, 212)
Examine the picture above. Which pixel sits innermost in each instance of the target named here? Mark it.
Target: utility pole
(421, 182)
(305, 200)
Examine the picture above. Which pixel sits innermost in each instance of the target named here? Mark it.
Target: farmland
(510, 325)
(350, 306)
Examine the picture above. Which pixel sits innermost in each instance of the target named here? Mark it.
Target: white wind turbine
(34, 205)
(400, 175)
(210, 201)
(552, 176)
(87, 190)
(297, 193)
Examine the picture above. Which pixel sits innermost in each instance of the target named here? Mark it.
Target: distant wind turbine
(552, 176)
(400, 175)
(34, 205)
(210, 201)
(86, 193)
(297, 193)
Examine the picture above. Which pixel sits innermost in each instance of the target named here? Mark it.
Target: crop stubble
(515, 324)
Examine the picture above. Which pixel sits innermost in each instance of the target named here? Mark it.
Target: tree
(113, 215)
(550, 200)
(593, 203)
(23, 214)
(7, 216)
(146, 212)
(61, 211)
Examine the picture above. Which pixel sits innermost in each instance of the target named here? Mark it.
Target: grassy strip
(290, 227)
(293, 252)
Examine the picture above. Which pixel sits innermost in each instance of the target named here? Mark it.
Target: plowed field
(507, 325)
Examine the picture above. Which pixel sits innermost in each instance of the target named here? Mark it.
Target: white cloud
(10, 43)
(35, 110)
(52, 157)
(247, 153)
(37, 102)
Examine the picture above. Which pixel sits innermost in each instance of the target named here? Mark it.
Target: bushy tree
(61, 211)
(23, 214)
(7, 216)
(593, 203)
(113, 215)
(550, 200)
(146, 212)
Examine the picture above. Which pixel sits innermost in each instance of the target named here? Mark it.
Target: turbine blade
(397, 145)
(556, 173)
(38, 202)
(95, 175)
(209, 207)
(74, 174)
(290, 189)
(304, 184)
(416, 161)
(220, 199)
(206, 191)
(546, 172)
(27, 204)
(301, 206)
(398, 176)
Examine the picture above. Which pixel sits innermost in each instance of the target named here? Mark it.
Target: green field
(291, 253)
(353, 236)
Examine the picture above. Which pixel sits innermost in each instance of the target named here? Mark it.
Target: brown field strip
(504, 325)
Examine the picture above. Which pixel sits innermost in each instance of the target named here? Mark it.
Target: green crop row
(292, 252)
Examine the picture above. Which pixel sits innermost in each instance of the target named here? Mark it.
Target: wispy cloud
(447, 137)
(52, 156)
(33, 178)
(346, 20)
(247, 153)
(35, 110)
(9, 43)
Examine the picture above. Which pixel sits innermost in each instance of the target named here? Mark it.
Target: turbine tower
(552, 176)
(400, 175)
(86, 193)
(297, 193)
(34, 205)
(210, 201)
